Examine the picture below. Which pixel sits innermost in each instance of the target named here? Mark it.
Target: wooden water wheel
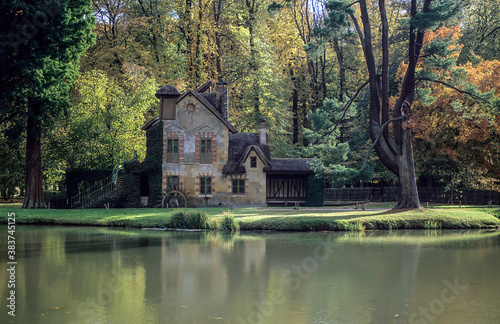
(174, 199)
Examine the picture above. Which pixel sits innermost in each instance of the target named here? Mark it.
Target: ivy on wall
(152, 164)
(315, 191)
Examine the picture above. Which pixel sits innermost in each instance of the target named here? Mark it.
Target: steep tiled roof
(168, 91)
(239, 144)
(211, 98)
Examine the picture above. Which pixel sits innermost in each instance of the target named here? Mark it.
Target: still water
(102, 275)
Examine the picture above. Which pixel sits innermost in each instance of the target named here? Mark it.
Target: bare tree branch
(472, 95)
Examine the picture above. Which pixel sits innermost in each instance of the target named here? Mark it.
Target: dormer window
(253, 161)
(206, 151)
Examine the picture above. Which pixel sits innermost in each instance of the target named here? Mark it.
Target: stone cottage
(194, 151)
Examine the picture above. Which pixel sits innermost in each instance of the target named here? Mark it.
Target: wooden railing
(426, 194)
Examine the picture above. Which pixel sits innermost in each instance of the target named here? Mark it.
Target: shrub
(193, 220)
(429, 224)
(228, 223)
(357, 226)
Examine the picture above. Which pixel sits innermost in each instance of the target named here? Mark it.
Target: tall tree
(395, 149)
(41, 43)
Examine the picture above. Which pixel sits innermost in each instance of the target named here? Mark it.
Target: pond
(104, 275)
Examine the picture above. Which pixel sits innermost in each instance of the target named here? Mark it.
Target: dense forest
(305, 65)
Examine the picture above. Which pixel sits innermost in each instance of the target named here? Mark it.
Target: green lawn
(374, 216)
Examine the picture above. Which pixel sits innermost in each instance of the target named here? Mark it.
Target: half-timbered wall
(285, 188)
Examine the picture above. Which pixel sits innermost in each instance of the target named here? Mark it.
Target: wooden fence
(431, 195)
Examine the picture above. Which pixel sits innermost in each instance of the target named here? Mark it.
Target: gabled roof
(259, 152)
(240, 145)
(209, 106)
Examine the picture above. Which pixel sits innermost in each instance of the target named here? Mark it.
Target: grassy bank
(374, 216)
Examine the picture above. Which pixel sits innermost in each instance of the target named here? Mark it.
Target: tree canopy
(41, 43)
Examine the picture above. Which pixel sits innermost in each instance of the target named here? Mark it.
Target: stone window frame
(174, 178)
(237, 178)
(206, 151)
(172, 150)
(198, 186)
(212, 136)
(172, 135)
(166, 175)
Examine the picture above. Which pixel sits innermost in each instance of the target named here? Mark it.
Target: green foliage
(356, 226)
(189, 220)
(227, 223)
(329, 153)
(481, 35)
(315, 191)
(423, 95)
(430, 224)
(338, 14)
(439, 12)
(42, 43)
(103, 126)
(11, 165)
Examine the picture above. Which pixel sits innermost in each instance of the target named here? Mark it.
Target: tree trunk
(295, 111)
(33, 197)
(408, 192)
(217, 8)
(340, 59)
(395, 153)
(254, 64)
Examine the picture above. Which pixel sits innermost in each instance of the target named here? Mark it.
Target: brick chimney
(263, 131)
(221, 96)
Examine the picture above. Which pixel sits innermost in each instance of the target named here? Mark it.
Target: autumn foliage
(456, 136)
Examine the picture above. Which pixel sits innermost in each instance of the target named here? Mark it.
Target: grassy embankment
(374, 216)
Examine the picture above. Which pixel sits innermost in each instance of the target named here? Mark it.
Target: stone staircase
(102, 190)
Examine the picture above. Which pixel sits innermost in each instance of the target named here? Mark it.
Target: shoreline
(374, 216)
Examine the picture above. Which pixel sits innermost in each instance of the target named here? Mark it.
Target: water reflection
(102, 275)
